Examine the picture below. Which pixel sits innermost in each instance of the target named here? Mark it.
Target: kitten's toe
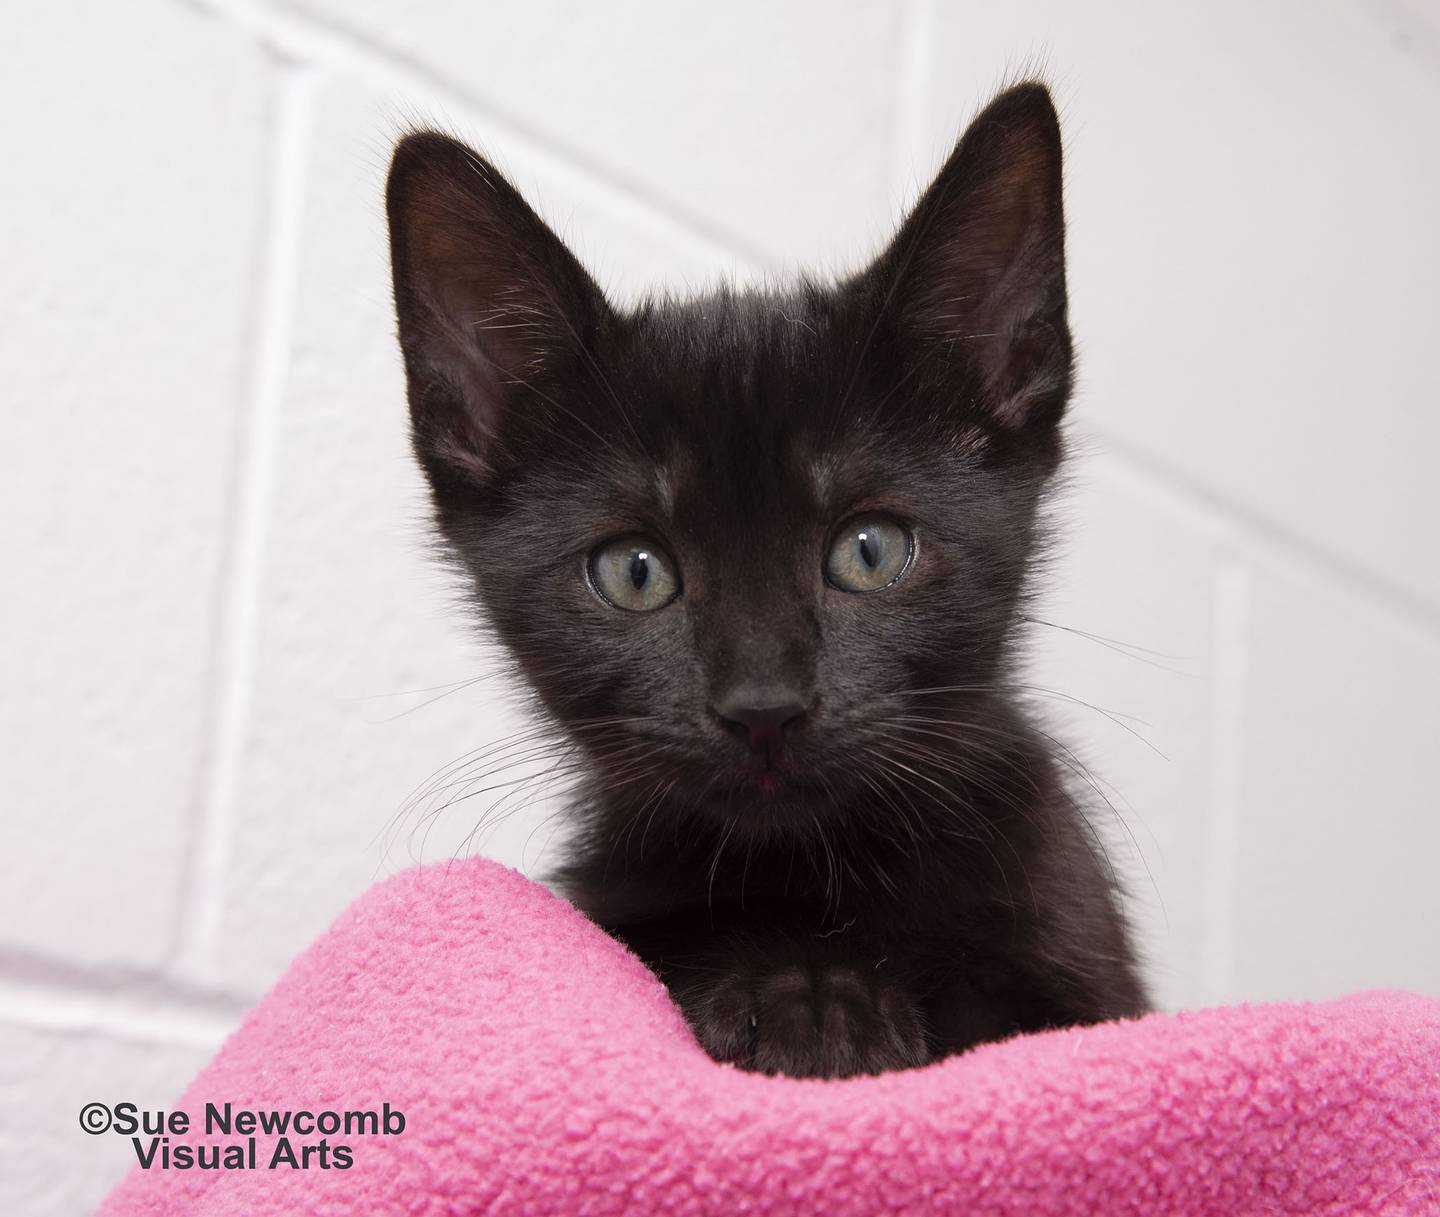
(785, 1026)
(866, 1027)
(722, 1015)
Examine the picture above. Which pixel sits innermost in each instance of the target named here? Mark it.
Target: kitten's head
(741, 544)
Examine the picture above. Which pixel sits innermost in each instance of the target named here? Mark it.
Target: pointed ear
(980, 262)
(488, 299)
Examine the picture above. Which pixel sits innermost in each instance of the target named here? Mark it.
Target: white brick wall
(218, 584)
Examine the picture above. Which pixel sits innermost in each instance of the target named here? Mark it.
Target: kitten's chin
(770, 801)
(768, 783)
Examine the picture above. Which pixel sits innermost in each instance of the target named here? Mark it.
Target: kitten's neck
(974, 836)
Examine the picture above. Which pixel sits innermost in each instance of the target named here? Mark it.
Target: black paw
(826, 1020)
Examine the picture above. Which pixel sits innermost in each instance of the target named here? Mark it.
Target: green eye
(869, 553)
(633, 573)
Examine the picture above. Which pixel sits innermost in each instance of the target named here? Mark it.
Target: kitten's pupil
(869, 550)
(639, 569)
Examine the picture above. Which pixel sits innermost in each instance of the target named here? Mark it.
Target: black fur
(900, 872)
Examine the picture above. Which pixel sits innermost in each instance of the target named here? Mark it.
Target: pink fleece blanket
(540, 1069)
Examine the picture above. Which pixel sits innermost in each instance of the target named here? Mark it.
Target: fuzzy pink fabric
(542, 1070)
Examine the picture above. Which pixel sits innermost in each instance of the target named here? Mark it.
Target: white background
(216, 586)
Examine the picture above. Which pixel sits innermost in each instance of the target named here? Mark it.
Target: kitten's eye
(632, 573)
(869, 553)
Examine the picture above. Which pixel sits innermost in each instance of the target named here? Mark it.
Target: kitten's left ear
(979, 264)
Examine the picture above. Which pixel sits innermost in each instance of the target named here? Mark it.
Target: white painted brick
(1255, 262)
(1339, 819)
(46, 1077)
(1137, 573)
(775, 123)
(352, 611)
(132, 192)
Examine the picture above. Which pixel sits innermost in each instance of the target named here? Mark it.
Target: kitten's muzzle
(761, 718)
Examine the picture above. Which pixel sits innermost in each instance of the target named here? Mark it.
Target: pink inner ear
(485, 293)
(472, 322)
(980, 262)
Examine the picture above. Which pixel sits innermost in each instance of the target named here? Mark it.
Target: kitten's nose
(760, 715)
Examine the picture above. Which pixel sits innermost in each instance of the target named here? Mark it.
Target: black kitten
(761, 556)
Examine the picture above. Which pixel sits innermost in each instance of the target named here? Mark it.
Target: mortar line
(1226, 778)
(257, 442)
(197, 1023)
(1266, 537)
(913, 91)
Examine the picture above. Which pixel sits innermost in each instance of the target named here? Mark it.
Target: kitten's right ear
(487, 300)
(977, 270)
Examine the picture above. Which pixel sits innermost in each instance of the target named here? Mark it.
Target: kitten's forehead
(763, 411)
(774, 472)
(729, 479)
(726, 397)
